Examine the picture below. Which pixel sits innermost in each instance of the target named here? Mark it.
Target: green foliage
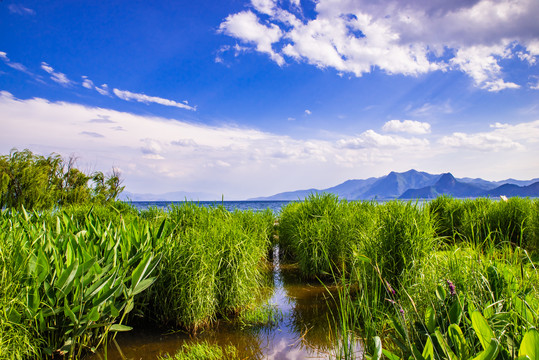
(485, 222)
(76, 282)
(320, 232)
(38, 182)
(212, 264)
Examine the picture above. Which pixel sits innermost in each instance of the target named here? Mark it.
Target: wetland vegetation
(445, 279)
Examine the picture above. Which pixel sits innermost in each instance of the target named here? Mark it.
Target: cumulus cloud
(407, 126)
(57, 77)
(410, 38)
(481, 142)
(128, 96)
(503, 137)
(246, 27)
(160, 155)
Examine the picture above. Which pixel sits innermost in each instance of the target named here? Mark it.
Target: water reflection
(302, 332)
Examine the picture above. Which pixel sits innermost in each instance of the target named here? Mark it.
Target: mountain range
(415, 184)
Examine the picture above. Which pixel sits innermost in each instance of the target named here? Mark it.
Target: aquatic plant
(76, 282)
(203, 351)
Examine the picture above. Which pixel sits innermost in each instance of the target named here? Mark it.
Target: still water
(274, 206)
(302, 332)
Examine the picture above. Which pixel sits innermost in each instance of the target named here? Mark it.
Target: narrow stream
(301, 333)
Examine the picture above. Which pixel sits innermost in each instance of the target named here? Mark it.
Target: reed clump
(416, 275)
(212, 265)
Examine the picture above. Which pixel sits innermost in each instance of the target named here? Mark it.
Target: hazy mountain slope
(395, 184)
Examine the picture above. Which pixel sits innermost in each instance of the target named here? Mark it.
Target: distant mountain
(415, 184)
(394, 184)
(446, 184)
(170, 196)
(515, 190)
(289, 195)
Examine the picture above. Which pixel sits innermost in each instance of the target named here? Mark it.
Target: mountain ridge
(414, 184)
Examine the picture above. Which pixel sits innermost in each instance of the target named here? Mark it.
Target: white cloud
(20, 10)
(58, 77)
(308, 112)
(159, 155)
(410, 38)
(15, 65)
(480, 142)
(407, 126)
(245, 26)
(89, 84)
(103, 89)
(264, 6)
(371, 139)
(481, 64)
(502, 138)
(128, 96)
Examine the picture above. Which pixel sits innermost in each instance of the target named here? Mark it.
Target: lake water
(302, 331)
(275, 206)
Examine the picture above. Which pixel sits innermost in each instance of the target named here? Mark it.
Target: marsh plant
(71, 284)
(212, 265)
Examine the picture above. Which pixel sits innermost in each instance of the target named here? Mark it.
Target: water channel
(302, 331)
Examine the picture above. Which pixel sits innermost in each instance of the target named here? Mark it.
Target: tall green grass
(399, 259)
(212, 265)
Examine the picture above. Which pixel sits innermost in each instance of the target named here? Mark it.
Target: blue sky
(250, 98)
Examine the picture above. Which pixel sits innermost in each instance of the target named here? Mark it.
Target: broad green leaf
(416, 354)
(522, 309)
(69, 313)
(430, 319)
(13, 315)
(96, 287)
(140, 271)
(490, 352)
(455, 313)
(445, 347)
(441, 293)
(114, 312)
(118, 327)
(129, 306)
(42, 266)
(459, 341)
(482, 329)
(530, 344)
(388, 354)
(33, 300)
(399, 328)
(106, 295)
(94, 314)
(428, 350)
(67, 276)
(143, 285)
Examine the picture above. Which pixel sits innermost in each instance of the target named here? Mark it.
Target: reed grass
(402, 261)
(212, 265)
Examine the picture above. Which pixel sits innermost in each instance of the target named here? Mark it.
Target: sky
(239, 98)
